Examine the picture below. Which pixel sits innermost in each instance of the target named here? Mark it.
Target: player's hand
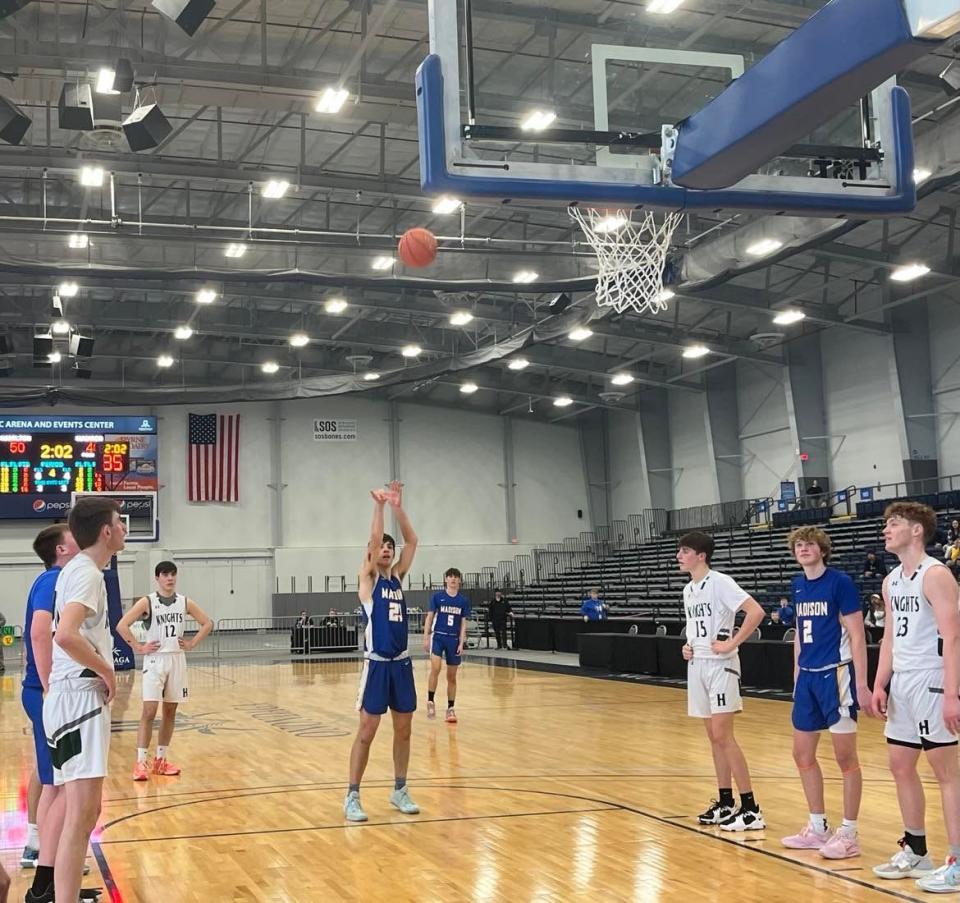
(460, 651)
(723, 647)
(379, 496)
(186, 645)
(951, 713)
(865, 700)
(880, 703)
(687, 651)
(110, 683)
(395, 494)
(148, 648)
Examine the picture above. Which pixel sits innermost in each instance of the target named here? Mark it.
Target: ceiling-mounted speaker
(42, 346)
(107, 111)
(188, 14)
(146, 127)
(81, 346)
(76, 108)
(13, 122)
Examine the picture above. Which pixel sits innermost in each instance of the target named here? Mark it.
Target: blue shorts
(822, 698)
(386, 685)
(32, 699)
(445, 646)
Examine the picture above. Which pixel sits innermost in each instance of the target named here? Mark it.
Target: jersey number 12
(170, 630)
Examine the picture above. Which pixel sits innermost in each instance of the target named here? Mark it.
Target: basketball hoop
(631, 256)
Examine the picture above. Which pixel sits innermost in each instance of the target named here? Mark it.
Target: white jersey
(166, 622)
(711, 604)
(82, 581)
(916, 641)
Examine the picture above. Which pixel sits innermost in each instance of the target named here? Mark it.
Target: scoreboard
(45, 459)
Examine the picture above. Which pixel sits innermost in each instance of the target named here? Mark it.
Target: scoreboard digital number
(43, 460)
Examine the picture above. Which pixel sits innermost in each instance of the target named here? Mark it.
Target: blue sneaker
(400, 799)
(945, 880)
(29, 858)
(352, 809)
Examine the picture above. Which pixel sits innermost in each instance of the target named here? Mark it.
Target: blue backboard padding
(829, 63)
(436, 179)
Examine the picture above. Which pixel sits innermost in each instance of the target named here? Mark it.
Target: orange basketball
(418, 247)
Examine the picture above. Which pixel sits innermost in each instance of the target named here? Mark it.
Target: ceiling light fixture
(468, 388)
(411, 351)
(237, 249)
(299, 340)
(55, 357)
(445, 205)
(60, 327)
(663, 7)
(460, 318)
(370, 376)
(68, 289)
(622, 379)
(335, 305)
(613, 223)
(92, 176)
(921, 175)
(78, 240)
(580, 333)
(525, 276)
(695, 351)
(789, 317)
(275, 188)
(332, 100)
(206, 296)
(764, 247)
(182, 333)
(564, 401)
(519, 363)
(538, 120)
(165, 360)
(270, 367)
(667, 294)
(382, 263)
(909, 272)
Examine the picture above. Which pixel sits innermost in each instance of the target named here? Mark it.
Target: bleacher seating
(645, 580)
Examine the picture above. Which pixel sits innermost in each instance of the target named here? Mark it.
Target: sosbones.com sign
(335, 430)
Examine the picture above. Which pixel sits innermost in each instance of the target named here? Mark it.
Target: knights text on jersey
(916, 640)
(167, 619)
(711, 605)
(820, 605)
(385, 614)
(450, 612)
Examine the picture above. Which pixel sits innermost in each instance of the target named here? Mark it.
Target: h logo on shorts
(721, 699)
(924, 728)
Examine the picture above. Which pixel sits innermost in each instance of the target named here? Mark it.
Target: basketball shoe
(904, 864)
(716, 812)
(807, 838)
(744, 820)
(945, 880)
(163, 767)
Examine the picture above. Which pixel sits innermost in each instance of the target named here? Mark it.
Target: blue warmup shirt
(592, 609)
(819, 606)
(451, 610)
(385, 616)
(41, 598)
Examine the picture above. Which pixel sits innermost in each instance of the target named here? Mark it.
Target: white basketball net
(631, 256)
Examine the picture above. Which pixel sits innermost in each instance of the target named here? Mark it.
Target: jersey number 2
(396, 611)
(807, 632)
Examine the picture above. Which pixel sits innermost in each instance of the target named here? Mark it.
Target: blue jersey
(451, 611)
(41, 598)
(592, 609)
(385, 617)
(819, 606)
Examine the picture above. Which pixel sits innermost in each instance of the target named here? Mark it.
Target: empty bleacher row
(645, 581)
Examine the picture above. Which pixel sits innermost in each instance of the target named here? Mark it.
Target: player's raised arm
(205, 622)
(368, 567)
(395, 497)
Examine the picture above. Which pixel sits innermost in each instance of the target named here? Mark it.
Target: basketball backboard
(806, 118)
(138, 511)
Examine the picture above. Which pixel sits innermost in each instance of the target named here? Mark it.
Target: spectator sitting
(873, 566)
(592, 608)
(953, 534)
(774, 616)
(304, 620)
(786, 613)
(953, 556)
(815, 495)
(332, 619)
(876, 614)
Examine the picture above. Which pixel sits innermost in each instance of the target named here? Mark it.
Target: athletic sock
(42, 879)
(450, 703)
(353, 788)
(141, 755)
(916, 840)
(33, 837)
(726, 797)
(430, 695)
(849, 826)
(399, 783)
(818, 821)
(748, 803)
(162, 752)
(955, 852)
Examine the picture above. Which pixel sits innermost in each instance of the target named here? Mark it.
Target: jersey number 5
(396, 612)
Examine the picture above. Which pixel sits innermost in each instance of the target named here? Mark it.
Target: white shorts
(165, 677)
(915, 710)
(76, 720)
(713, 686)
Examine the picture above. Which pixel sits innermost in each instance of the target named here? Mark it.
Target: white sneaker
(945, 880)
(904, 864)
(744, 820)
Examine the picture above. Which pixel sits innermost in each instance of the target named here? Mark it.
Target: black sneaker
(716, 813)
(744, 820)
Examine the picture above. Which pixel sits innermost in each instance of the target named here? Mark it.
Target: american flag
(213, 458)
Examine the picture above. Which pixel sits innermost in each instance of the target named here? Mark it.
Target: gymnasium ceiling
(240, 98)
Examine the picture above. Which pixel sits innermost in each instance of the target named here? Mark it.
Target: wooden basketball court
(553, 787)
